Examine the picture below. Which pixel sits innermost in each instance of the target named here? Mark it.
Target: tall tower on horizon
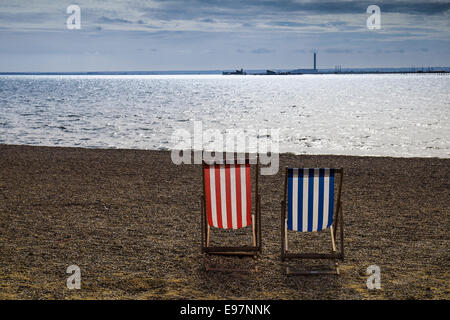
(315, 62)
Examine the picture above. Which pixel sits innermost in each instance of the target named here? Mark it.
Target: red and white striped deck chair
(227, 204)
(309, 201)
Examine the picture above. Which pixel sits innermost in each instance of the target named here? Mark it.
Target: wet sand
(130, 220)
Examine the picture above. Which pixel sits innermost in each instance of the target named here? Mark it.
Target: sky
(159, 35)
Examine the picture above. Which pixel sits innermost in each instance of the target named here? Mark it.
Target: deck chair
(308, 206)
(227, 204)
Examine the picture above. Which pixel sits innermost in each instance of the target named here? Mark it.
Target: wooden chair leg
(333, 243)
(253, 230)
(292, 272)
(207, 235)
(285, 236)
(259, 236)
(341, 226)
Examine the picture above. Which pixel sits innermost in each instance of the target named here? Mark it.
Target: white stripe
(223, 197)
(305, 199)
(295, 199)
(212, 187)
(316, 200)
(243, 196)
(326, 196)
(233, 196)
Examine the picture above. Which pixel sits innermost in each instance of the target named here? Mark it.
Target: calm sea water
(395, 115)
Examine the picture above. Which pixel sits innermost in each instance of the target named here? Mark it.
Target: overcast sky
(221, 34)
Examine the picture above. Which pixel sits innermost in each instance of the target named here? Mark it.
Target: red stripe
(228, 196)
(208, 195)
(237, 169)
(218, 195)
(249, 194)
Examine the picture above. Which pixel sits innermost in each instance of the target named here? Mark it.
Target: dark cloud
(262, 51)
(293, 24)
(241, 32)
(336, 24)
(289, 24)
(27, 17)
(389, 51)
(207, 20)
(254, 8)
(428, 8)
(113, 20)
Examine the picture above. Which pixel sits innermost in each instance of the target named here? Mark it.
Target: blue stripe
(320, 211)
(289, 204)
(310, 199)
(331, 199)
(300, 201)
(309, 174)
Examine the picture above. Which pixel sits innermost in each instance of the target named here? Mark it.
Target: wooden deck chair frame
(338, 222)
(250, 250)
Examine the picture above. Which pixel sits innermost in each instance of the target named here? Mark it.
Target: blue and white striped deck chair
(310, 205)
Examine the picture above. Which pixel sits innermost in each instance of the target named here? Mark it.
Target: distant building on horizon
(315, 65)
(306, 71)
(239, 72)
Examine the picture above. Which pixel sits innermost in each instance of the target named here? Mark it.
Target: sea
(399, 115)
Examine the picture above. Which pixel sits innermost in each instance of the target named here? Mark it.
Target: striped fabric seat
(228, 195)
(310, 199)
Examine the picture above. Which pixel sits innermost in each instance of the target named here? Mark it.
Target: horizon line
(187, 71)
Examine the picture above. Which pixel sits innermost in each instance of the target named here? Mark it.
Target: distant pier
(281, 73)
